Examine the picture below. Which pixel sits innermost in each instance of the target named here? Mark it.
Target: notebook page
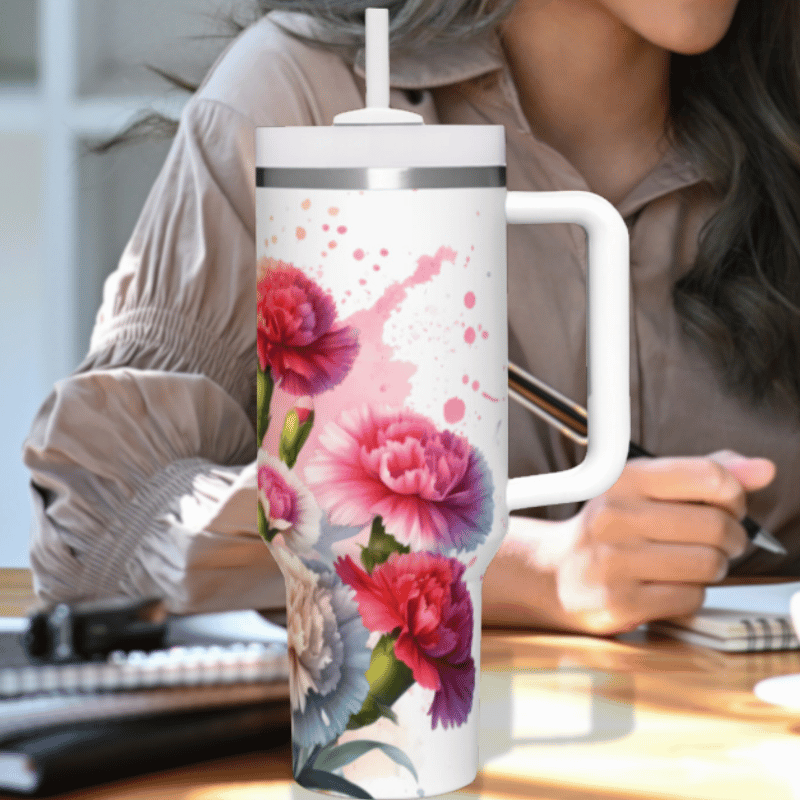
(764, 598)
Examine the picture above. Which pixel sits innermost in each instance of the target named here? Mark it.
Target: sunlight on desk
(565, 718)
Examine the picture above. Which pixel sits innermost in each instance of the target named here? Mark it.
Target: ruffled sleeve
(142, 462)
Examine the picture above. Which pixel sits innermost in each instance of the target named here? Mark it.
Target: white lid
(379, 136)
(332, 146)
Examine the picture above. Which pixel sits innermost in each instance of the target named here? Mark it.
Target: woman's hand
(645, 549)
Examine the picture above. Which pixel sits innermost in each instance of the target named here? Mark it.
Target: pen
(570, 418)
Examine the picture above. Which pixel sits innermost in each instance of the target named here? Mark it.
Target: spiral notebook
(219, 686)
(211, 660)
(738, 619)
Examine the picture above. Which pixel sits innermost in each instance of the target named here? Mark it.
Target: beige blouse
(142, 461)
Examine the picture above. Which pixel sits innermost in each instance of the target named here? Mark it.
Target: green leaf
(264, 531)
(316, 779)
(338, 757)
(381, 546)
(388, 679)
(264, 386)
(368, 714)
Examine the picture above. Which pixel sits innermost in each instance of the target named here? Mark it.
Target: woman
(684, 114)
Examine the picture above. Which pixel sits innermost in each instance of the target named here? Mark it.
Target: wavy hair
(735, 111)
(412, 23)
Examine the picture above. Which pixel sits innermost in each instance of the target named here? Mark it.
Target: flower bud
(296, 429)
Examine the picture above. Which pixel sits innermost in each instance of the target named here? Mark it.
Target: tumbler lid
(379, 136)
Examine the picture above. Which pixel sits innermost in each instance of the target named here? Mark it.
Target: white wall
(73, 71)
(23, 329)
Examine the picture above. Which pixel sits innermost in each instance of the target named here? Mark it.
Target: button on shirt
(143, 461)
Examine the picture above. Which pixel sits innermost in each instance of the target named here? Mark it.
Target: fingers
(693, 480)
(752, 473)
(624, 606)
(633, 521)
(661, 600)
(720, 479)
(647, 547)
(676, 563)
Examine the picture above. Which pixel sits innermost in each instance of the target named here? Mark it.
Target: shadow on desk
(567, 705)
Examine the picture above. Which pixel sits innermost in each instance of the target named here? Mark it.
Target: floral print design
(432, 490)
(297, 341)
(422, 496)
(422, 595)
(327, 650)
(288, 506)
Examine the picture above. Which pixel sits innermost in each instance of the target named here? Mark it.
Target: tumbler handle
(607, 346)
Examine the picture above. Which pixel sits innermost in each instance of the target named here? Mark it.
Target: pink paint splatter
(331, 244)
(300, 233)
(358, 254)
(384, 252)
(489, 397)
(465, 379)
(469, 300)
(376, 267)
(476, 385)
(326, 227)
(362, 282)
(485, 334)
(376, 364)
(454, 410)
(341, 229)
(427, 268)
(469, 335)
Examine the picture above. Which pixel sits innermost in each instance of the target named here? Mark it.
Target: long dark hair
(735, 110)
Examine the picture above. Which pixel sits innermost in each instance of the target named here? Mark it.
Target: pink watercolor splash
(358, 254)
(469, 335)
(454, 410)
(469, 300)
(376, 364)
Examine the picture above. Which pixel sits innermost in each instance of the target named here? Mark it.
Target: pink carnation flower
(288, 505)
(424, 596)
(296, 338)
(432, 489)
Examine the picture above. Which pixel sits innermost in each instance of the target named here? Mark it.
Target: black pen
(570, 418)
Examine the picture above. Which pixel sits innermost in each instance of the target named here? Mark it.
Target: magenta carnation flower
(287, 504)
(423, 595)
(432, 489)
(296, 337)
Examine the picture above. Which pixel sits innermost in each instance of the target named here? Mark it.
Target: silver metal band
(381, 177)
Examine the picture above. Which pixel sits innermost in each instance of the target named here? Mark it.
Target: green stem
(264, 387)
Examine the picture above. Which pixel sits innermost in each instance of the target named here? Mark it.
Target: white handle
(608, 409)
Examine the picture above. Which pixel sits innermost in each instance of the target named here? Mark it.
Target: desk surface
(564, 718)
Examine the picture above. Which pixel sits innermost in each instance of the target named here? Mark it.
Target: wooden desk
(566, 718)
